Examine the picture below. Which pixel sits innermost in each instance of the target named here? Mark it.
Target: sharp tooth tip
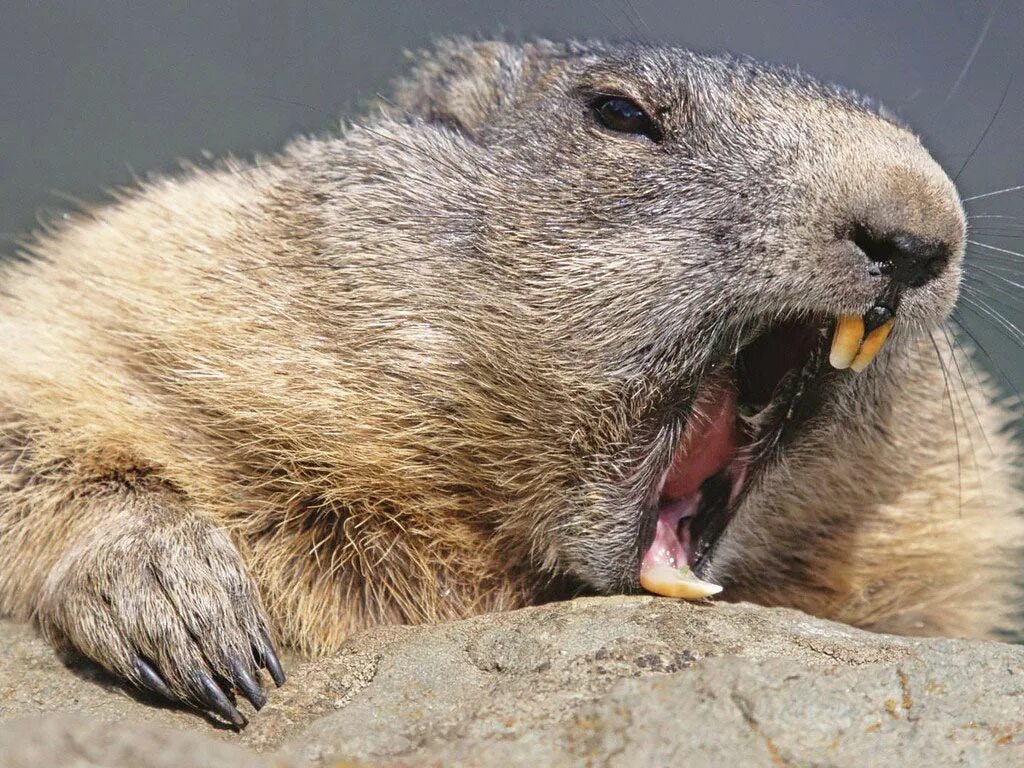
(670, 582)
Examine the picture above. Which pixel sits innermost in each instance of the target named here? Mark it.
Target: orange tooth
(870, 347)
(846, 340)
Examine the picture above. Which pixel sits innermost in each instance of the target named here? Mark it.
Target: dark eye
(622, 115)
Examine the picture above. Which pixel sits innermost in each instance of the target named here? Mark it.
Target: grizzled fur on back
(431, 365)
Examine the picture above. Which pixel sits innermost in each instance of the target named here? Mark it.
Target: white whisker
(994, 216)
(998, 276)
(993, 194)
(973, 54)
(1018, 254)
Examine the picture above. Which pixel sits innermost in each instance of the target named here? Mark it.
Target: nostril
(907, 258)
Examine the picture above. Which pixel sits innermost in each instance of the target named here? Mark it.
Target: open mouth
(744, 410)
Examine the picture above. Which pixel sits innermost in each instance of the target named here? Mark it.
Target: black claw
(270, 660)
(151, 679)
(214, 698)
(245, 683)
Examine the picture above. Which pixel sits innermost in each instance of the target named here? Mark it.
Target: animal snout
(908, 259)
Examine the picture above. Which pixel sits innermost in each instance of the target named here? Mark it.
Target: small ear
(460, 83)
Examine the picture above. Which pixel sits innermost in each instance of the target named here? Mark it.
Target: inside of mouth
(711, 463)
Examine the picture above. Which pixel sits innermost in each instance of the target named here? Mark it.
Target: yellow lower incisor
(676, 582)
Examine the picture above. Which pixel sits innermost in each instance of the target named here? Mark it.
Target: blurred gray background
(93, 92)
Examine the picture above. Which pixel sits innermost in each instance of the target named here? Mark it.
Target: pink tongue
(707, 447)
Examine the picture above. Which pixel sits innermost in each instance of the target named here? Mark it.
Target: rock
(617, 681)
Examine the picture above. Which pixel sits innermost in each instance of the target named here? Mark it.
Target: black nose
(908, 259)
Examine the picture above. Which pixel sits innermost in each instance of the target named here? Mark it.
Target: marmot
(552, 316)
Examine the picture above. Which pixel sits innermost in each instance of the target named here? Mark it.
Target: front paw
(169, 607)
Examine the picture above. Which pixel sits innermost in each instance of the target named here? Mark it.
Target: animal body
(551, 316)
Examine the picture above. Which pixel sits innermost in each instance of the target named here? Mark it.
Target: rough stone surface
(615, 681)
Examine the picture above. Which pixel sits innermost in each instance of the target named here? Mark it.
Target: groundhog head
(654, 282)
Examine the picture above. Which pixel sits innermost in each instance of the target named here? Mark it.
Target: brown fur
(418, 370)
